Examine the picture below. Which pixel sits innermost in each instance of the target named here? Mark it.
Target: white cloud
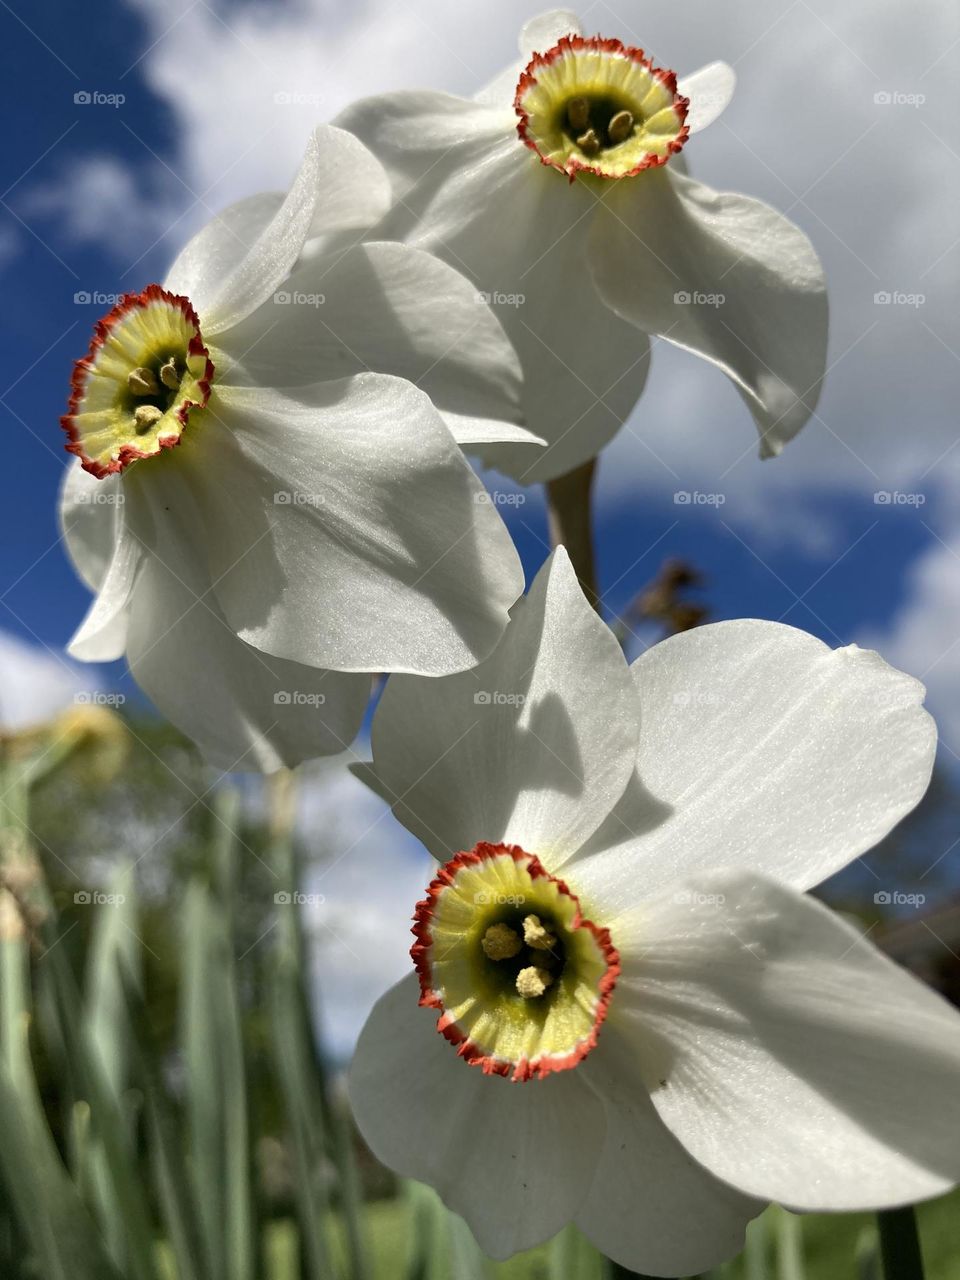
(36, 684)
(874, 183)
(100, 199)
(923, 638)
(9, 246)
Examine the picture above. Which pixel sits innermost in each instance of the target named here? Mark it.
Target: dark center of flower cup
(520, 979)
(597, 123)
(524, 953)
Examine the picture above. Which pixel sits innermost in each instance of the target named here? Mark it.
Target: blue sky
(93, 189)
(848, 120)
(100, 193)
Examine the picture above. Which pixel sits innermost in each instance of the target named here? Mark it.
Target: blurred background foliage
(168, 1111)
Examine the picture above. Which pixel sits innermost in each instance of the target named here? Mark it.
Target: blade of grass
(466, 1256)
(43, 1200)
(573, 1257)
(198, 1037)
(240, 1215)
(301, 1106)
(166, 1144)
(49, 1214)
(868, 1254)
(756, 1249)
(113, 943)
(788, 1230)
(900, 1244)
(430, 1244)
(298, 1066)
(107, 1118)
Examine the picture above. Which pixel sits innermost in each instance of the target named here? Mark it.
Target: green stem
(570, 516)
(900, 1244)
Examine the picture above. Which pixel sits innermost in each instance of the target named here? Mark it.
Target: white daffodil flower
(560, 191)
(630, 1016)
(317, 519)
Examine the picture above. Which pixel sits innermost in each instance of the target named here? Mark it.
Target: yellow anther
(500, 942)
(578, 114)
(589, 143)
(169, 376)
(533, 982)
(143, 382)
(620, 128)
(147, 416)
(536, 936)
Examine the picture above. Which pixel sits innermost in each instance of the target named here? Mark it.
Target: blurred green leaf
(788, 1232)
(573, 1257)
(900, 1244)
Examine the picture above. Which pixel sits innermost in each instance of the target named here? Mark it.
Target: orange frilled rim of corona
(521, 980)
(146, 370)
(596, 106)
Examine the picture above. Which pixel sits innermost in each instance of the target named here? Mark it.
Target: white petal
(648, 1190)
(709, 90)
(102, 635)
(354, 186)
(241, 259)
(208, 259)
(470, 192)
(723, 276)
(412, 131)
(583, 366)
(244, 709)
(533, 747)
(353, 194)
(502, 89)
(762, 748)
(542, 32)
(801, 1065)
(350, 532)
(537, 36)
(470, 433)
(88, 520)
(386, 308)
(513, 1159)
